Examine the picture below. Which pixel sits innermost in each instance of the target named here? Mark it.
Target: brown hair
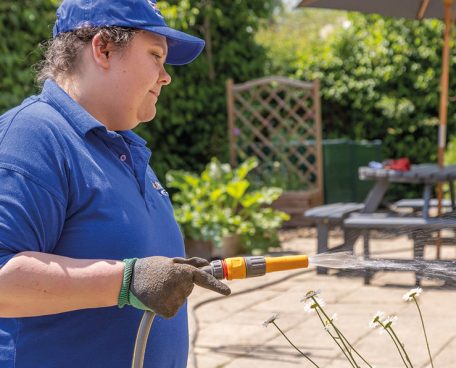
(61, 53)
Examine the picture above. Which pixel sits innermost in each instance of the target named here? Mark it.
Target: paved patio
(228, 332)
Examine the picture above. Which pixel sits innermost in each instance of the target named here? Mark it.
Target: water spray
(253, 266)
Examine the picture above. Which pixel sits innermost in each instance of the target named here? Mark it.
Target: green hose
(141, 339)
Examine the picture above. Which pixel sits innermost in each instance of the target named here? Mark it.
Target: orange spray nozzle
(284, 263)
(244, 267)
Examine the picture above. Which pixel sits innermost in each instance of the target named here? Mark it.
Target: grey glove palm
(162, 284)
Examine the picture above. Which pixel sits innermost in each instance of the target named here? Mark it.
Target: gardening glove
(161, 284)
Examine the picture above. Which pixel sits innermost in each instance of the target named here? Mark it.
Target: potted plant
(221, 207)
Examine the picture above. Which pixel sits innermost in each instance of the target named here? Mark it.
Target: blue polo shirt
(70, 187)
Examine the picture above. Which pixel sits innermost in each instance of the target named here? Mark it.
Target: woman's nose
(165, 78)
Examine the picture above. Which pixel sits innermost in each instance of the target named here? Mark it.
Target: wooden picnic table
(426, 174)
(338, 214)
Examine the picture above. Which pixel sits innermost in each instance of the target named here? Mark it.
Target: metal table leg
(375, 196)
(322, 242)
(427, 199)
(451, 184)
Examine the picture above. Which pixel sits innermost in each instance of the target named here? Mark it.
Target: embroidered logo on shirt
(160, 189)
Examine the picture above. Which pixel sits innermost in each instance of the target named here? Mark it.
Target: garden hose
(141, 339)
(228, 268)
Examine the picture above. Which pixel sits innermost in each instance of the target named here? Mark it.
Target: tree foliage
(191, 123)
(380, 79)
(293, 38)
(23, 26)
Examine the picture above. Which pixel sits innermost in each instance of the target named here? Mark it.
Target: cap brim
(182, 47)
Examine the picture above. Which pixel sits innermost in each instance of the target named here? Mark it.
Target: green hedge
(23, 26)
(379, 77)
(191, 123)
(190, 126)
(380, 80)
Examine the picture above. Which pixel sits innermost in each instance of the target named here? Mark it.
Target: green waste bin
(341, 160)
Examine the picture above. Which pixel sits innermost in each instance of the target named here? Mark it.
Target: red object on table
(400, 164)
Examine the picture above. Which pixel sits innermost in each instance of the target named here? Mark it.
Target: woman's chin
(145, 118)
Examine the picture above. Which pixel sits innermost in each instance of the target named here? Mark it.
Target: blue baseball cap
(140, 14)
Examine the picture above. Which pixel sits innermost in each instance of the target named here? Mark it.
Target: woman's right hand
(162, 284)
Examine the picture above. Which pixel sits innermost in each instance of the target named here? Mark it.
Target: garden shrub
(191, 124)
(23, 26)
(380, 79)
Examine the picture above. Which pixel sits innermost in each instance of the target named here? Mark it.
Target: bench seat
(418, 203)
(327, 216)
(333, 213)
(420, 229)
(371, 221)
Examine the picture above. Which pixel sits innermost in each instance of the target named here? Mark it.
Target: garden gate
(278, 120)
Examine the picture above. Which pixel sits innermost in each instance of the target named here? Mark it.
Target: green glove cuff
(135, 302)
(124, 295)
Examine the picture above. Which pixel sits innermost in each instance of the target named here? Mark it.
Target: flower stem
(339, 334)
(335, 338)
(356, 352)
(424, 330)
(401, 345)
(395, 343)
(289, 341)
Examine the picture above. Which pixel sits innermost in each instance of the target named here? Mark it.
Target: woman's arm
(35, 283)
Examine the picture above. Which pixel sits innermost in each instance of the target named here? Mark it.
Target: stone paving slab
(227, 331)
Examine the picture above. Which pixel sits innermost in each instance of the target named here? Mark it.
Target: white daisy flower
(310, 294)
(388, 321)
(312, 304)
(377, 320)
(408, 297)
(271, 319)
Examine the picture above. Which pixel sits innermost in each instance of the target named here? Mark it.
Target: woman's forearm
(34, 283)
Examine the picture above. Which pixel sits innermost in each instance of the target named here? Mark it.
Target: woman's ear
(101, 51)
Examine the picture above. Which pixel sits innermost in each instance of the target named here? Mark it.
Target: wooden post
(422, 10)
(231, 126)
(443, 112)
(318, 141)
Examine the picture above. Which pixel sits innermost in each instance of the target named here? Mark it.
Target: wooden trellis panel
(279, 120)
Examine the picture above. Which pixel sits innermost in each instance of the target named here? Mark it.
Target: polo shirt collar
(132, 138)
(81, 121)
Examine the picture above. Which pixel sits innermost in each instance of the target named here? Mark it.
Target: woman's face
(138, 75)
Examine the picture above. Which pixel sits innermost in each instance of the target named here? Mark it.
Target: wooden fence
(278, 120)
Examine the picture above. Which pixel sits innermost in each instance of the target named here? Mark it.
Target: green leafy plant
(220, 202)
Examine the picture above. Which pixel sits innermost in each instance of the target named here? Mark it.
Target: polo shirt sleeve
(31, 218)
(33, 182)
